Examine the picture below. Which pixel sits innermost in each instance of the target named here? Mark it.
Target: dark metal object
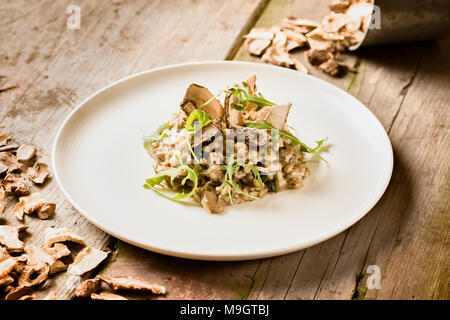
(409, 20)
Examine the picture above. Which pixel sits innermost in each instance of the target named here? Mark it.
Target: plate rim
(224, 257)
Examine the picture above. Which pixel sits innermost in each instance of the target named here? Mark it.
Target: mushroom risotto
(221, 155)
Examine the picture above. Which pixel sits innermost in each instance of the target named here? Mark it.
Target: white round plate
(100, 164)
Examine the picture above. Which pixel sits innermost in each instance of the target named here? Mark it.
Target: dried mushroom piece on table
(107, 296)
(343, 26)
(38, 258)
(9, 238)
(31, 276)
(3, 168)
(86, 260)
(15, 184)
(196, 97)
(58, 250)
(279, 57)
(39, 172)
(16, 292)
(6, 280)
(4, 137)
(9, 160)
(2, 199)
(25, 152)
(132, 284)
(6, 266)
(55, 235)
(34, 204)
(87, 287)
(258, 40)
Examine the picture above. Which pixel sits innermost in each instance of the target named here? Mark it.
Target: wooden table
(406, 86)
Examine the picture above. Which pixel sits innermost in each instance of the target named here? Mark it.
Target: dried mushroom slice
(278, 115)
(9, 147)
(6, 280)
(39, 172)
(260, 33)
(296, 37)
(3, 168)
(339, 6)
(257, 47)
(15, 184)
(25, 152)
(57, 266)
(4, 254)
(107, 296)
(292, 45)
(278, 57)
(334, 67)
(17, 292)
(9, 160)
(87, 287)
(133, 284)
(317, 57)
(2, 199)
(209, 132)
(232, 115)
(300, 22)
(88, 259)
(58, 251)
(280, 38)
(31, 277)
(39, 258)
(34, 203)
(196, 97)
(55, 235)
(4, 137)
(9, 237)
(251, 82)
(6, 266)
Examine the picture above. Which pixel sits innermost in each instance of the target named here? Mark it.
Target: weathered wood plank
(411, 243)
(184, 278)
(55, 68)
(381, 83)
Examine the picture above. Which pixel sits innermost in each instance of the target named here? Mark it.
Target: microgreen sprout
(196, 121)
(160, 133)
(231, 168)
(156, 185)
(321, 144)
(245, 98)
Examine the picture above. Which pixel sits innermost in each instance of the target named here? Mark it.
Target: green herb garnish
(321, 147)
(245, 98)
(196, 121)
(156, 185)
(161, 132)
(231, 168)
(270, 183)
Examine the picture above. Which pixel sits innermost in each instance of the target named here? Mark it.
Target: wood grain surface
(406, 86)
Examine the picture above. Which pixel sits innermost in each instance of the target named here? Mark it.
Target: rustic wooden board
(55, 68)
